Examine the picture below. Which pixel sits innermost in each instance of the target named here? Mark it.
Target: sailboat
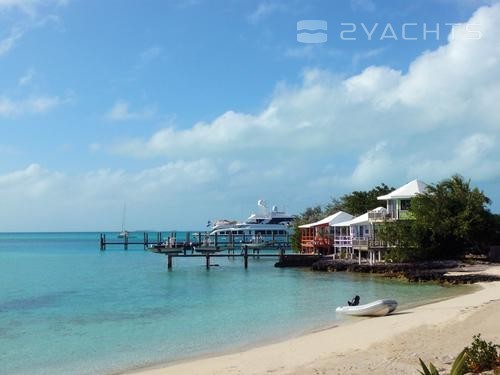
(124, 233)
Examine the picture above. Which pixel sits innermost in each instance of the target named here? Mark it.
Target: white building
(345, 235)
(398, 201)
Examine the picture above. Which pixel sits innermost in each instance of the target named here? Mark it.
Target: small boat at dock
(208, 249)
(124, 234)
(164, 249)
(380, 307)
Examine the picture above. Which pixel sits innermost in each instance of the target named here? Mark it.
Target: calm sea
(67, 308)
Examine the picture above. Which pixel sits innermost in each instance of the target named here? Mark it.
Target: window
(405, 204)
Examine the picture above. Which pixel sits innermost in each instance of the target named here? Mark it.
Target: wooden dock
(188, 240)
(217, 252)
(186, 248)
(145, 239)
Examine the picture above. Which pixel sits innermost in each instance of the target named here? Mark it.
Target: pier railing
(188, 240)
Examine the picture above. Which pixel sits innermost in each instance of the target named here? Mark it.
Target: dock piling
(245, 255)
(102, 242)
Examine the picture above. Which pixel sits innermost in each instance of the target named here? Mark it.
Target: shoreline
(323, 350)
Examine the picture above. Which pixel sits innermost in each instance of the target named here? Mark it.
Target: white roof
(360, 219)
(330, 220)
(409, 190)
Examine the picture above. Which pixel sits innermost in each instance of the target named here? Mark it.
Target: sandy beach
(387, 345)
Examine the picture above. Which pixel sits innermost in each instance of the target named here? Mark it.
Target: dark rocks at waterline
(333, 265)
(298, 260)
(441, 277)
(414, 272)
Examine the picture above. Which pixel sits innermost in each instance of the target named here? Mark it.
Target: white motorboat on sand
(380, 307)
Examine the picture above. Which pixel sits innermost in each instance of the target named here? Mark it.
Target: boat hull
(377, 308)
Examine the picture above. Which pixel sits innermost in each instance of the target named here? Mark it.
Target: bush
(482, 355)
(459, 367)
(478, 357)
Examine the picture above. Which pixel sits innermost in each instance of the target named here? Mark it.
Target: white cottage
(398, 201)
(358, 235)
(318, 236)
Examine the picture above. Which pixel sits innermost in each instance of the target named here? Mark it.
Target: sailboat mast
(123, 217)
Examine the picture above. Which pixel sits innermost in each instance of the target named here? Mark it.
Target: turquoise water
(67, 308)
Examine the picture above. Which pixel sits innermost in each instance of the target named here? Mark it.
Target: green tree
(406, 240)
(495, 236)
(359, 202)
(449, 219)
(311, 214)
(454, 217)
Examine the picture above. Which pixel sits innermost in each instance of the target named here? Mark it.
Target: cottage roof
(362, 219)
(330, 220)
(407, 191)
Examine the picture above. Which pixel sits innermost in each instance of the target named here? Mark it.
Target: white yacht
(222, 223)
(272, 227)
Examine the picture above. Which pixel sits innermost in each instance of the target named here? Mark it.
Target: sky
(188, 111)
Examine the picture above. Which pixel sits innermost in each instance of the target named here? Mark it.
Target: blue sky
(194, 110)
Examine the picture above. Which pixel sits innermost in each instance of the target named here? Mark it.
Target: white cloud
(263, 10)
(27, 77)
(363, 5)
(312, 51)
(95, 147)
(475, 156)
(32, 182)
(446, 101)
(23, 5)
(7, 150)
(150, 54)
(32, 14)
(92, 200)
(371, 166)
(30, 7)
(322, 137)
(35, 104)
(120, 111)
(8, 42)
(366, 55)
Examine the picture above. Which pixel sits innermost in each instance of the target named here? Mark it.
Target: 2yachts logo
(314, 31)
(311, 31)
